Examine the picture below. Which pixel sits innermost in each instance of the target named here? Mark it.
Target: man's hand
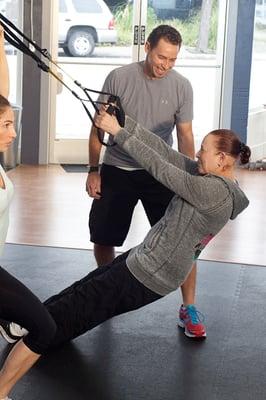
(93, 185)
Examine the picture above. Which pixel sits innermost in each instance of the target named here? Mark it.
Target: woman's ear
(222, 157)
(226, 161)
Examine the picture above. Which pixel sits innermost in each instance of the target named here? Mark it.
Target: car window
(62, 6)
(90, 6)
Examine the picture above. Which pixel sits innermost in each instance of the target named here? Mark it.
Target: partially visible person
(206, 196)
(160, 99)
(4, 76)
(17, 303)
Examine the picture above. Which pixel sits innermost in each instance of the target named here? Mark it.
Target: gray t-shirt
(157, 104)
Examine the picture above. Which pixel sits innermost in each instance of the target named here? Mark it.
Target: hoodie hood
(240, 200)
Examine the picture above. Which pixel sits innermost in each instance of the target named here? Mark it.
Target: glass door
(256, 132)
(202, 26)
(94, 37)
(114, 36)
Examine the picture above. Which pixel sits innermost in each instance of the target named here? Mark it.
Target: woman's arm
(203, 192)
(159, 146)
(4, 74)
(109, 124)
(153, 155)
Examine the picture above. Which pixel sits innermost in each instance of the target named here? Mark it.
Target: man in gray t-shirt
(159, 98)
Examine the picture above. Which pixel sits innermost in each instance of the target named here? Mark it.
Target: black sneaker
(6, 332)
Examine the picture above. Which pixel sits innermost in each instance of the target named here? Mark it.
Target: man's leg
(103, 254)
(111, 215)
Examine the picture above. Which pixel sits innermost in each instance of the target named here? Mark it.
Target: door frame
(74, 151)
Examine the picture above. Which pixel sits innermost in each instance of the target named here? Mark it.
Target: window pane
(62, 6)
(198, 59)
(83, 6)
(256, 132)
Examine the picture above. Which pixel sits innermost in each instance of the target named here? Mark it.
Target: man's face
(161, 59)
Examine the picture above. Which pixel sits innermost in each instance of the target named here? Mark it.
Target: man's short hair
(165, 32)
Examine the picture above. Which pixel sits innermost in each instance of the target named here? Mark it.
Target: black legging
(105, 292)
(20, 305)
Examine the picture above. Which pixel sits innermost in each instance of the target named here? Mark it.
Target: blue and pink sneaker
(191, 320)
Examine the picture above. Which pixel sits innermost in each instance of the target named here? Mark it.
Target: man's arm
(185, 139)
(4, 74)
(93, 184)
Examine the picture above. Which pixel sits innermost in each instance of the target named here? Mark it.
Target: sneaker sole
(188, 334)
(6, 336)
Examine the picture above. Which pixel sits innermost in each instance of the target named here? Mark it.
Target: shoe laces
(194, 315)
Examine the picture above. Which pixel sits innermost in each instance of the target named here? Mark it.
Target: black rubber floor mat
(75, 167)
(143, 355)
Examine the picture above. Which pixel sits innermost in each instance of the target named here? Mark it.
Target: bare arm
(185, 139)
(4, 74)
(94, 147)
(93, 183)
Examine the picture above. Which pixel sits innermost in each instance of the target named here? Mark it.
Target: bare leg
(18, 362)
(188, 288)
(103, 254)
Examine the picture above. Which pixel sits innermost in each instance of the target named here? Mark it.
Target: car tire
(66, 51)
(80, 43)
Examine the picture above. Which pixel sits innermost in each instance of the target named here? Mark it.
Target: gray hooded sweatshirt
(201, 207)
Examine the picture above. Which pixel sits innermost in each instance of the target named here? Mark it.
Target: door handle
(139, 34)
(136, 35)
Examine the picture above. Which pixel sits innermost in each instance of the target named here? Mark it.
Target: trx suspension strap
(30, 48)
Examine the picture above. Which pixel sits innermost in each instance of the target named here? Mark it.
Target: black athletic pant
(105, 292)
(20, 305)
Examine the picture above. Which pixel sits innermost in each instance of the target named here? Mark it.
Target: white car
(82, 24)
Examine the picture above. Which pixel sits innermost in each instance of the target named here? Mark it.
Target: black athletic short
(110, 217)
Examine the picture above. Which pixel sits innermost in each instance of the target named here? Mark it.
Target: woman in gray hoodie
(207, 196)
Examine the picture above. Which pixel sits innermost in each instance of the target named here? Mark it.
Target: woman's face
(7, 130)
(209, 158)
